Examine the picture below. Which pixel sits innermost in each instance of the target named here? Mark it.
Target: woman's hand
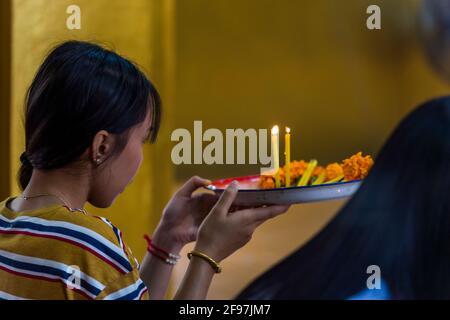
(223, 232)
(185, 212)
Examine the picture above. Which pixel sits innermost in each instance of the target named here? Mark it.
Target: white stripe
(45, 275)
(86, 244)
(67, 225)
(140, 293)
(124, 291)
(112, 228)
(71, 226)
(109, 223)
(8, 296)
(137, 264)
(50, 263)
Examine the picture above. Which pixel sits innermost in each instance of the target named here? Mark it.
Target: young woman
(88, 113)
(394, 232)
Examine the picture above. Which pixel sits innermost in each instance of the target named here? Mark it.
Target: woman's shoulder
(69, 241)
(59, 218)
(97, 226)
(126, 284)
(96, 235)
(98, 231)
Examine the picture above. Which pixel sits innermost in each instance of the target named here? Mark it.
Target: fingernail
(234, 184)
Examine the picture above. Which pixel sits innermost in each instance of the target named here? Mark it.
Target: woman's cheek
(137, 160)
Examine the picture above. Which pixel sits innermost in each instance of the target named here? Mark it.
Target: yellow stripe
(61, 252)
(29, 288)
(61, 214)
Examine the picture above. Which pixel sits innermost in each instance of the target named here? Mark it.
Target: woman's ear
(101, 146)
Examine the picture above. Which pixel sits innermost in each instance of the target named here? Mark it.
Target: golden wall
(5, 95)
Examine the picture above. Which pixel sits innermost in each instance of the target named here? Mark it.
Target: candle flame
(275, 130)
(288, 130)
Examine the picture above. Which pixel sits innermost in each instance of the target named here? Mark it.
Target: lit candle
(287, 155)
(276, 155)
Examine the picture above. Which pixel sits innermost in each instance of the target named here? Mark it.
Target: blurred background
(310, 65)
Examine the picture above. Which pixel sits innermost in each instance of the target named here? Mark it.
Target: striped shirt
(52, 253)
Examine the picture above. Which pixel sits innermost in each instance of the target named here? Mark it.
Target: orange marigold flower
(357, 166)
(317, 171)
(333, 170)
(298, 168)
(266, 182)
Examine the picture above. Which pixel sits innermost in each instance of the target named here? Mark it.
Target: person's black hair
(399, 220)
(80, 89)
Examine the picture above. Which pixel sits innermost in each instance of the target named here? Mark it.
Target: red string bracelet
(167, 257)
(160, 256)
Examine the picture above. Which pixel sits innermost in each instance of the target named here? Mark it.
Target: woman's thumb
(226, 199)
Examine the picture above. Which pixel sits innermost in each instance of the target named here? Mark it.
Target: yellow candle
(287, 155)
(276, 155)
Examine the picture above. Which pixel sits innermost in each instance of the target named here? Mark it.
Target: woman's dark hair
(399, 220)
(80, 89)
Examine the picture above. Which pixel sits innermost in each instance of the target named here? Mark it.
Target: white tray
(250, 195)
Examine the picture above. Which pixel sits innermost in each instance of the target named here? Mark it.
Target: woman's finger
(226, 199)
(206, 202)
(259, 215)
(191, 185)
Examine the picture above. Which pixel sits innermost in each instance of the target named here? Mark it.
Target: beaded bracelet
(164, 255)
